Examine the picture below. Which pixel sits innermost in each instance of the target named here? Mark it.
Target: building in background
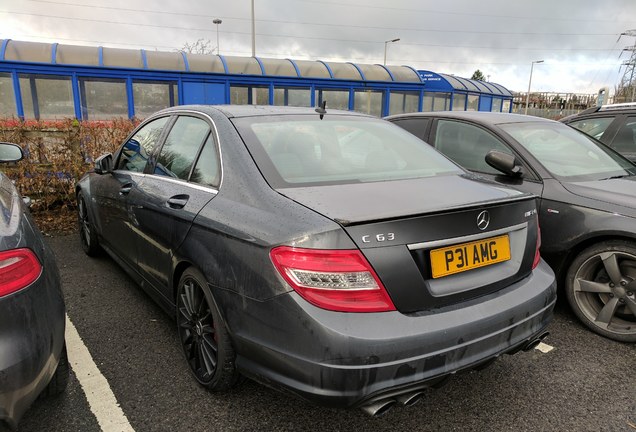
(51, 81)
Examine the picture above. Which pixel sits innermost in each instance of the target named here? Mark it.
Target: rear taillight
(337, 280)
(537, 255)
(19, 268)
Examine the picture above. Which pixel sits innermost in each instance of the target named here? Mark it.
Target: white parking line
(544, 348)
(100, 397)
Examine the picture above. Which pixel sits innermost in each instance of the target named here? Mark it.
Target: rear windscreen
(302, 150)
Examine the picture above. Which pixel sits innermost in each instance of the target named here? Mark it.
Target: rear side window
(181, 147)
(134, 154)
(207, 170)
(417, 126)
(467, 145)
(594, 127)
(625, 139)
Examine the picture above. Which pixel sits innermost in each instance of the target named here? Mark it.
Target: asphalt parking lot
(141, 383)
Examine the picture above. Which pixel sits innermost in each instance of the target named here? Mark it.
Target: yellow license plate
(466, 256)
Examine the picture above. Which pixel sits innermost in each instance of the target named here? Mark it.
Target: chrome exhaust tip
(379, 408)
(410, 398)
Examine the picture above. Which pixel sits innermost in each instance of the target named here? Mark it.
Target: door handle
(178, 201)
(125, 189)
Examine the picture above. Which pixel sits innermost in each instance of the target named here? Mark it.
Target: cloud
(576, 38)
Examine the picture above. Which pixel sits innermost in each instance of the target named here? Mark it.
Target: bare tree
(201, 46)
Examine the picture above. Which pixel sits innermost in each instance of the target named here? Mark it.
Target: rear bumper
(32, 325)
(345, 360)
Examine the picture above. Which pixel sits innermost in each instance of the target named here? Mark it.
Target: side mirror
(504, 162)
(10, 152)
(104, 164)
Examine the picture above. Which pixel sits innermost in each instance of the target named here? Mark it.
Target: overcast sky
(577, 39)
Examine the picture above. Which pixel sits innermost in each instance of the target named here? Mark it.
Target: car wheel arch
(179, 269)
(576, 249)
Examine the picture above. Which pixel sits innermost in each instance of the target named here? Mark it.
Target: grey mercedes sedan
(328, 254)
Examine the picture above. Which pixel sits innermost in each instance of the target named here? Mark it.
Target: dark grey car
(613, 125)
(329, 255)
(32, 316)
(587, 207)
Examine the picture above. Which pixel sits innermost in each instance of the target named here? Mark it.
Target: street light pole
(217, 22)
(253, 32)
(530, 83)
(385, 44)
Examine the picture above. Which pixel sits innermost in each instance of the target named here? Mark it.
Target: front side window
(304, 150)
(181, 147)
(135, 152)
(467, 145)
(568, 153)
(594, 127)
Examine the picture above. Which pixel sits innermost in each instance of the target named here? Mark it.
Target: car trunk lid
(416, 239)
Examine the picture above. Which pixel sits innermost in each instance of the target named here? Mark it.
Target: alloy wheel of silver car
(601, 289)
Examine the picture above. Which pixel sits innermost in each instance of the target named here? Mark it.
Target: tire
(88, 236)
(601, 288)
(203, 334)
(59, 381)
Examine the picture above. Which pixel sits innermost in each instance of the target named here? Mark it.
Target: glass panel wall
(441, 102)
(403, 102)
(505, 106)
(427, 103)
(7, 96)
(103, 99)
(46, 96)
(336, 99)
(473, 103)
(249, 95)
(496, 105)
(299, 97)
(150, 97)
(369, 102)
(459, 102)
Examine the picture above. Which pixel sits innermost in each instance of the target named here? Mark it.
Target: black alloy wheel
(88, 236)
(601, 289)
(204, 337)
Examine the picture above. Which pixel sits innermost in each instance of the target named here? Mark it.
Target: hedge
(57, 153)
